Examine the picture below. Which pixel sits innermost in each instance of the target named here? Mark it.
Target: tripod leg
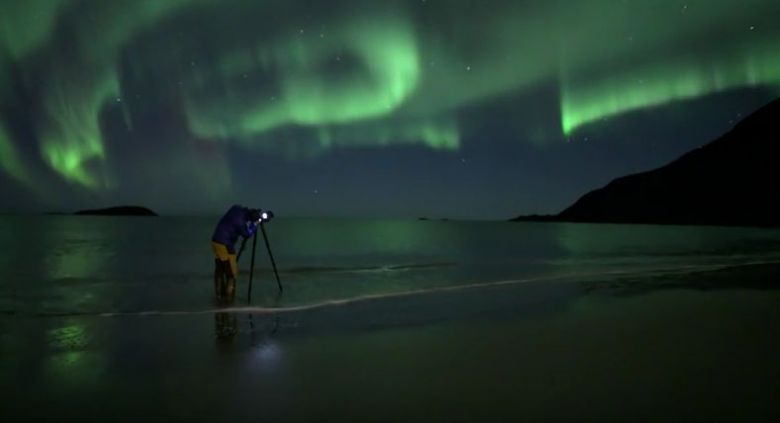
(252, 269)
(271, 256)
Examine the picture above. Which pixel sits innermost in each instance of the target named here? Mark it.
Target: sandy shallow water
(702, 350)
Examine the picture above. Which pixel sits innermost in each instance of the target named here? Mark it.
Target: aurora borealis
(424, 107)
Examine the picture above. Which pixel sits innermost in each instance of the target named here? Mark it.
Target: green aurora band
(80, 86)
(309, 97)
(398, 72)
(659, 84)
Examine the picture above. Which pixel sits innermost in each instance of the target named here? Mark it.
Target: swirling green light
(302, 78)
(309, 96)
(74, 138)
(440, 134)
(84, 80)
(659, 84)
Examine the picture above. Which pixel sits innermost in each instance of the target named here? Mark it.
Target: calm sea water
(112, 318)
(73, 264)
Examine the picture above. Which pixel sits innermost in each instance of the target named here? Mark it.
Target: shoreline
(670, 354)
(752, 275)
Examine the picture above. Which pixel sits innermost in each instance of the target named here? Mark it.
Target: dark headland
(118, 211)
(732, 181)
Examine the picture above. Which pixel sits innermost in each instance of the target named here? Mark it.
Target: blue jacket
(234, 223)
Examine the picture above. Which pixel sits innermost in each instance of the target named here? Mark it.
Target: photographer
(237, 222)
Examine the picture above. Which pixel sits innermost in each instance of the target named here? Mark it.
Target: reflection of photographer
(237, 222)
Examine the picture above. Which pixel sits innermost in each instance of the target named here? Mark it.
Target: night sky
(459, 109)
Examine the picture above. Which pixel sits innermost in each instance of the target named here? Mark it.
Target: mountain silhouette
(734, 180)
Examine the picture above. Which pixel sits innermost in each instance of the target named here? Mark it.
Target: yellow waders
(225, 273)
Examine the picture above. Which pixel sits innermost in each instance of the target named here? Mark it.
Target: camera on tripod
(265, 216)
(259, 216)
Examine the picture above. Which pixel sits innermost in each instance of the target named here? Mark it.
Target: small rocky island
(118, 211)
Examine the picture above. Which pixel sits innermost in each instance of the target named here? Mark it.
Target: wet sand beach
(702, 346)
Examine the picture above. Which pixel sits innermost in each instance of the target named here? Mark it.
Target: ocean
(114, 317)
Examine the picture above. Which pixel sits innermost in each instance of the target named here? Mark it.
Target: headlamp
(264, 216)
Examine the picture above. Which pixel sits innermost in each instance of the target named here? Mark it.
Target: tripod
(252, 266)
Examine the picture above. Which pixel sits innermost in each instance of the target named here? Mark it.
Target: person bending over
(238, 221)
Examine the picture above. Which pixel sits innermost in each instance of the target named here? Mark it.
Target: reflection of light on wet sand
(268, 352)
(72, 363)
(73, 336)
(267, 357)
(63, 362)
(76, 369)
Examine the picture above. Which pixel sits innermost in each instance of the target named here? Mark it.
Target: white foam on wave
(426, 291)
(339, 302)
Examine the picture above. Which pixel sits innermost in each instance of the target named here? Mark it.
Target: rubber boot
(225, 283)
(219, 276)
